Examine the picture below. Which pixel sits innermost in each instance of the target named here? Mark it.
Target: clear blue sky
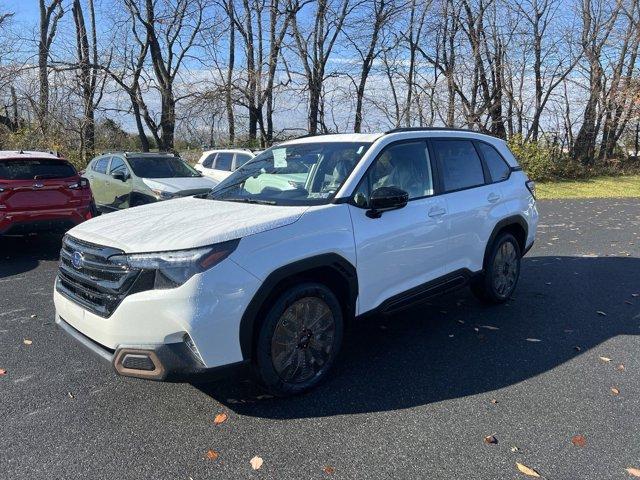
(27, 11)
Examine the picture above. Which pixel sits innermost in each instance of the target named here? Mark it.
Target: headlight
(162, 194)
(174, 268)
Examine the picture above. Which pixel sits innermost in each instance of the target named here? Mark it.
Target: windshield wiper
(246, 200)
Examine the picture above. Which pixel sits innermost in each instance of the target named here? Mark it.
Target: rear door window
(101, 165)
(498, 168)
(241, 159)
(35, 168)
(208, 162)
(458, 162)
(223, 161)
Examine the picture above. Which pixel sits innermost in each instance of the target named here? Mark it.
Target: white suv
(267, 269)
(218, 164)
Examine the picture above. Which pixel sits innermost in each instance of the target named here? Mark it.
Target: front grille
(97, 284)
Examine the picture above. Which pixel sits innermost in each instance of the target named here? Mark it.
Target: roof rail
(434, 129)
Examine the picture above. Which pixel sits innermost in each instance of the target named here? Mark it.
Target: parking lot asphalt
(413, 396)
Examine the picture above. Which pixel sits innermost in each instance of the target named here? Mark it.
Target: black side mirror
(384, 199)
(119, 176)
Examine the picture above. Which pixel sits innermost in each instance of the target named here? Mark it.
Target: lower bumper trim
(173, 362)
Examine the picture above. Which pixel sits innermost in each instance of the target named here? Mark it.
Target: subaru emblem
(77, 260)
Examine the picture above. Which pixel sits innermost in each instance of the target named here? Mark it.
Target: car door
(119, 191)
(403, 249)
(97, 175)
(472, 201)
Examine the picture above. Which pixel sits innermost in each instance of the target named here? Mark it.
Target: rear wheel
(299, 339)
(501, 273)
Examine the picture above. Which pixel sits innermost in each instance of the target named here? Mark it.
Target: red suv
(41, 192)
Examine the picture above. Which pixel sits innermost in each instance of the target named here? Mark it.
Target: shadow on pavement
(456, 347)
(20, 254)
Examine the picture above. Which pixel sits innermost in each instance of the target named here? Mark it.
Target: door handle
(493, 197)
(436, 212)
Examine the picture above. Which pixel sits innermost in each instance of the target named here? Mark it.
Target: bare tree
(90, 77)
(315, 46)
(598, 20)
(50, 15)
(172, 30)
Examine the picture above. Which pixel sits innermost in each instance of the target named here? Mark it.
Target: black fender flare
(337, 263)
(505, 222)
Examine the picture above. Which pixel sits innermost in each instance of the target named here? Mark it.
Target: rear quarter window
(498, 168)
(35, 168)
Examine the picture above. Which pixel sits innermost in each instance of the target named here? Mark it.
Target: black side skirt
(445, 284)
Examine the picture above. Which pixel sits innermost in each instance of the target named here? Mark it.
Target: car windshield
(161, 167)
(35, 168)
(298, 174)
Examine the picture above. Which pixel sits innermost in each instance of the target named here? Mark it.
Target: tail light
(531, 186)
(80, 184)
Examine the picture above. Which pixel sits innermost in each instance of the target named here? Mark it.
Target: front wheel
(299, 339)
(502, 270)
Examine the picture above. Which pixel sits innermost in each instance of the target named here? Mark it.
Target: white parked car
(218, 164)
(267, 269)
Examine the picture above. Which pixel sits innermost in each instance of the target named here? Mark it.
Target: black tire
(492, 287)
(282, 382)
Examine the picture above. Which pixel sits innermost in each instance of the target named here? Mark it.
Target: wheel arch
(330, 269)
(515, 225)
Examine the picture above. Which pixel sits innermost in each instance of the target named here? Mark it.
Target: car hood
(174, 185)
(182, 223)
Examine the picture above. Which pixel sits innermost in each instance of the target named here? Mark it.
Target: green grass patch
(599, 187)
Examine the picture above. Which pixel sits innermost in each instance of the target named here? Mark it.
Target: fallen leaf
(220, 418)
(212, 454)
(620, 368)
(615, 391)
(2, 372)
(605, 359)
(26, 341)
(490, 440)
(578, 441)
(530, 472)
(634, 472)
(256, 463)
(329, 470)
(600, 312)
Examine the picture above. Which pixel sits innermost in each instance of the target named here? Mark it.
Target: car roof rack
(435, 129)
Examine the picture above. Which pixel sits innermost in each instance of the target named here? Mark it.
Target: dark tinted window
(118, 165)
(161, 167)
(33, 168)
(208, 162)
(101, 165)
(498, 168)
(241, 159)
(458, 163)
(405, 166)
(223, 161)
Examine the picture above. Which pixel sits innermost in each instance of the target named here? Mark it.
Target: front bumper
(173, 362)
